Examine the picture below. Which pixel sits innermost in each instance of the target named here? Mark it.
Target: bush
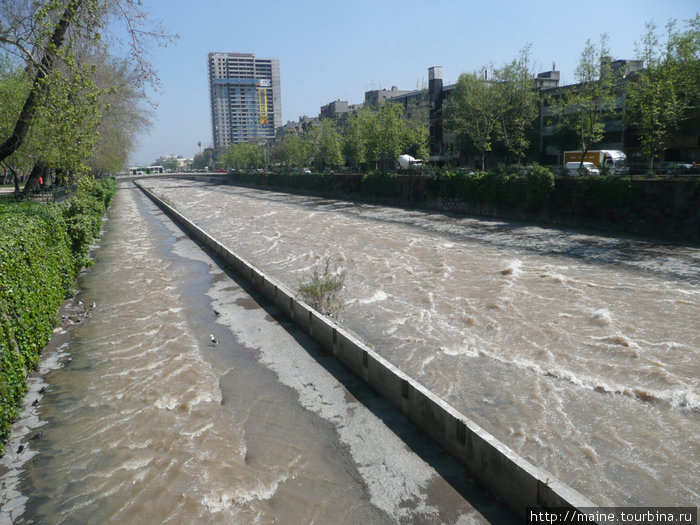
(379, 184)
(322, 290)
(539, 184)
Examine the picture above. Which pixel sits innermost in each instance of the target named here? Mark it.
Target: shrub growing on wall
(539, 185)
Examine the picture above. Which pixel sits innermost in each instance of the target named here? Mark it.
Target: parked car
(669, 168)
(572, 168)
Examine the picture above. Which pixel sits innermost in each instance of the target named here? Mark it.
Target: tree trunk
(39, 170)
(24, 120)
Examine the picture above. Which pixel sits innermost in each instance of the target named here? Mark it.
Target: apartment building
(245, 98)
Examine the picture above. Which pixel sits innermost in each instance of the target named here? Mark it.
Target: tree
(122, 114)
(50, 49)
(472, 113)
(586, 106)
(380, 135)
(14, 84)
(659, 98)
(202, 160)
(295, 150)
(354, 146)
(42, 37)
(518, 99)
(169, 163)
(328, 145)
(245, 155)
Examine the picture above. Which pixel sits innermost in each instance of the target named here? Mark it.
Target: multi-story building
(245, 98)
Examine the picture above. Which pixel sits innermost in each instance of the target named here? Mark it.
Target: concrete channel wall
(516, 481)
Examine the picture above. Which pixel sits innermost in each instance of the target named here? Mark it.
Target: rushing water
(581, 352)
(142, 419)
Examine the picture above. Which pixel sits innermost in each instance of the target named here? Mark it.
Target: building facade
(246, 102)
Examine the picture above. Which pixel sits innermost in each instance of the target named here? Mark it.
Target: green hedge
(529, 190)
(42, 247)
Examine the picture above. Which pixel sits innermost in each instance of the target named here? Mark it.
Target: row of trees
(495, 111)
(67, 106)
(668, 89)
(500, 112)
(369, 138)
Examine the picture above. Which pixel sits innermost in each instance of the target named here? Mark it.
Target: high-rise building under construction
(245, 98)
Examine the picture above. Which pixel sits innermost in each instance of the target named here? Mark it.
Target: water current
(579, 351)
(141, 418)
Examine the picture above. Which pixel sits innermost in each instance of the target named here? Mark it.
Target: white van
(589, 168)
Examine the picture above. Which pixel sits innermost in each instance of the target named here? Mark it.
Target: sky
(336, 50)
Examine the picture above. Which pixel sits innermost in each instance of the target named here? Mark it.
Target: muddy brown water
(142, 419)
(577, 350)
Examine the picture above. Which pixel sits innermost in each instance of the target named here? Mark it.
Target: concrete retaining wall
(517, 482)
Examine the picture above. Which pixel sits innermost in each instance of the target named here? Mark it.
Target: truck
(612, 160)
(406, 162)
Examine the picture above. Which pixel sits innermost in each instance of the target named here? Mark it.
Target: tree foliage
(472, 113)
(586, 106)
(245, 155)
(69, 96)
(518, 100)
(327, 145)
(667, 88)
(484, 113)
(378, 136)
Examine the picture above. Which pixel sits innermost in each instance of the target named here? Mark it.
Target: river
(579, 351)
(137, 416)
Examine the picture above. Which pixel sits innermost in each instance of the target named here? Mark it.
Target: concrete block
(391, 386)
(285, 301)
(350, 353)
(269, 290)
(427, 414)
(302, 316)
(322, 330)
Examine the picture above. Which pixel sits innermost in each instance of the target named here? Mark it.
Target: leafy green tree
(61, 100)
(380, 135)
(202, 160)
(169, 163)
(586, 106)
(354, 147)
(56, 20)
(14, 84)
(295, 150)
(518, 101)
(328, 145)
(245, 155)
(659, 98)
(473, 113)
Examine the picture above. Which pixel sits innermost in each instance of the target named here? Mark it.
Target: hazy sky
(331, 50)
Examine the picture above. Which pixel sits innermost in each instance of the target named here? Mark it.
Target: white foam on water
(601, 317)
(378, 295)
(513, 268)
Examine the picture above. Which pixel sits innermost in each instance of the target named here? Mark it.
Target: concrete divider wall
(517, 482)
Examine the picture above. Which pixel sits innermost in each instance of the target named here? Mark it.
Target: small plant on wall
(322, 289)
